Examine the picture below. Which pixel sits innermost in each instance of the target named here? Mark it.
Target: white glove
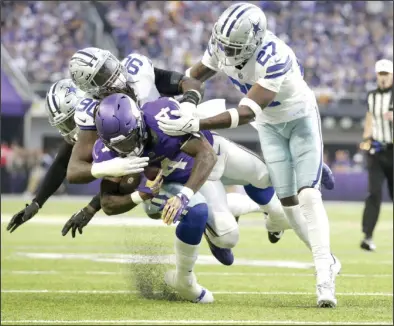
(119, 167)
(186, 124)
(188, 109)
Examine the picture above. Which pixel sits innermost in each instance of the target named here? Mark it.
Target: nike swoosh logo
(84, 120)
(218, 153)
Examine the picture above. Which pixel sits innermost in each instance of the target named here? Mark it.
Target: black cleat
(274, 237)
(368, 245)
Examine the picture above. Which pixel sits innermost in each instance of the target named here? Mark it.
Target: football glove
(174, 208)
(151, 187)
(23, 216)
(78, 221)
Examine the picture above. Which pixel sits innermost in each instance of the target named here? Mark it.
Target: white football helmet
(97, 70)
(237, 33)
(60, 103)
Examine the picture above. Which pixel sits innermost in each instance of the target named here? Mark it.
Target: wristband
(136, 198)
(252, 105)
(234, 117)
(187, 192)
(187, 72)
(192, 96)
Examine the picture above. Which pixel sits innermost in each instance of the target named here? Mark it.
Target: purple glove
(327, 179)
(174, 208)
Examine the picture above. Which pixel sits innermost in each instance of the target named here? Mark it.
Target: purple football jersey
(101, 153)
(164, 151)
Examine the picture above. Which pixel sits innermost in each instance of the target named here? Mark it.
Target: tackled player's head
(120, 124)
(238, 33)
(60, 103)
(98, 71)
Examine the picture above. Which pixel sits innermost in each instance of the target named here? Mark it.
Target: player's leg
(240, 203)
(243, 167)
(275, 148)
(306, 147)
(222, 231)
(188, 233)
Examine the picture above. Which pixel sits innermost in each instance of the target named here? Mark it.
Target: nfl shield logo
(240, 75)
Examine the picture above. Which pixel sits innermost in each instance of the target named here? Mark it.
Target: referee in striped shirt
(378, 143)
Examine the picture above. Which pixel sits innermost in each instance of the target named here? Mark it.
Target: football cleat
(326, 290)
(223, 255)
(368, 245)
(188, 288)
(274, 237)
(326, 295)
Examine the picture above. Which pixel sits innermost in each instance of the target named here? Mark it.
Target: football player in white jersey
(285, 111)
(100, 73)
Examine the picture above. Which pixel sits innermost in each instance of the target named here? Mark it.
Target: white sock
(186, 257)
(312, 208)
(297, 222)
(240, 204)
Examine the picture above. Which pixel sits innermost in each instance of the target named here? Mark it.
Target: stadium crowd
(336, 41)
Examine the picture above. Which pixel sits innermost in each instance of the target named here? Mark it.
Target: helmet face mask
(60, 104)
(238, 33)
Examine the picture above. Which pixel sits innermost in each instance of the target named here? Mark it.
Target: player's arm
(114, 201)
(200, 72)
(206, 68)
(80, 165)
(257, 99)
(261, 94)
(204, 160)
(52, 181)
(172, 83)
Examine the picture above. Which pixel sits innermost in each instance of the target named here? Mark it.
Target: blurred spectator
(5, 154)
(358, 162)
(342, 162)
(17, 168)
(337, 42)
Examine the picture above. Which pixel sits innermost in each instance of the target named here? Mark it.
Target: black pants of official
(380, 168)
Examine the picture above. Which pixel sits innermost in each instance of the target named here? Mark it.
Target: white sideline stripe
(198, 322)
(161, 259)
(369, 294)
(53, 272)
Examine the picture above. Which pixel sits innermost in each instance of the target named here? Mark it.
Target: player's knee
(228, 240)
(192, 225)
(309, 196)
(260, 196)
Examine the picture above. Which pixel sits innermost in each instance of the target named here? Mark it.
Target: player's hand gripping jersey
(275, 67)
(164, 151)
(141, 77)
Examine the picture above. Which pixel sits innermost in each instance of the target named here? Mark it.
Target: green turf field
(102, 276)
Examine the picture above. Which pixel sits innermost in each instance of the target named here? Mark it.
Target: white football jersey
(141, 77)
(275, 67)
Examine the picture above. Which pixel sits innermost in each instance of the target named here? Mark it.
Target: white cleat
(188, 288)
(326, 295)
(326, 290)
